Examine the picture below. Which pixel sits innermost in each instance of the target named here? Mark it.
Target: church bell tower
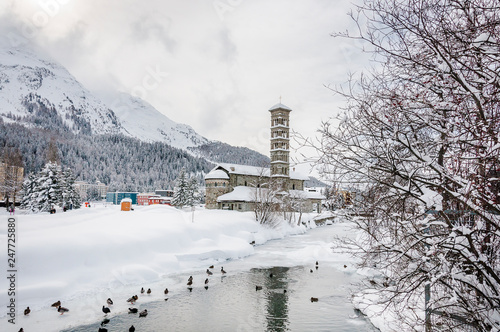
(280, 141)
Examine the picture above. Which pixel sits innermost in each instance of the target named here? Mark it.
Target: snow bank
(82, 257)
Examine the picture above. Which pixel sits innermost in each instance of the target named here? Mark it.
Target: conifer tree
(192, 192)
(181, 190)
(70, 197)
(50, 187)
(28, 192)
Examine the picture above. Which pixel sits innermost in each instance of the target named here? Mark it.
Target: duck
(271, 275)
(27, 311)
(258, 288)
(149, 291)
(345, 266)
(105, 321)
(211, 267)
(105, 310)
(317, 263)
(222, 270)
(131, 329)
(311, 270)
(190, 282)
(133, 299)
(56, 304)
(165, 291)
(142, 290)
(132, 310)
(62, 310)
(206, 281)
(109, 301)
(143, 313)
(21, 330)
(209, 272)
(314, 299)
(252, 243)
(103, 329)
(284, 291)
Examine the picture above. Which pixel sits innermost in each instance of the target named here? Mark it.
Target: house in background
(164, 192)
(116, 197)
(143, 198)
(84, 188)
(151, 199)
(234, 187)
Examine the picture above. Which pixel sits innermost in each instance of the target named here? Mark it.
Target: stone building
(233, 186)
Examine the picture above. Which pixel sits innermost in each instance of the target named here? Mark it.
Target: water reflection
(276, 281)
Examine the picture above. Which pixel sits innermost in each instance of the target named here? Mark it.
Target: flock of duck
(106, 310)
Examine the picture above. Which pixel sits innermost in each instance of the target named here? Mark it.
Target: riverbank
(82, 257)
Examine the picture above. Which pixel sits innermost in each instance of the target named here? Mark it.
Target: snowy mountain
(141, 120)
(41, 101)
(38, 92)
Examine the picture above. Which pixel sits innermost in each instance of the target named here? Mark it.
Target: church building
(233, 186)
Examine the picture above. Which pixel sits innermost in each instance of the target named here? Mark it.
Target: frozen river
(232, 303)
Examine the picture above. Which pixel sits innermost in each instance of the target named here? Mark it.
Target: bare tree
(420, 135)
(11, 176)
(266, 204)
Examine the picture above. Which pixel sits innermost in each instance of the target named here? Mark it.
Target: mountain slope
(34, 89)
(141, 120)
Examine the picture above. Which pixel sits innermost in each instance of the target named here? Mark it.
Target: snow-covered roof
(126, 200)
(280, 105)
(310, 194)
(239, 194)
(255, 171)
(217, 174)
(247, 194)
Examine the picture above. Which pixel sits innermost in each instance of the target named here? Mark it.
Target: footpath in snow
(82, 257)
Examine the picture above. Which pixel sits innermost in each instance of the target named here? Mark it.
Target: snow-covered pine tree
(192, 192)
(48, 188)
(181, 190)
(28, 191)
(70, 197)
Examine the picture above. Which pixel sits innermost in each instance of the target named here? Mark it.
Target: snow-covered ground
(84, 256)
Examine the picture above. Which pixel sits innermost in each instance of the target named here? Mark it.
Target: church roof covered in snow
(280, 105)
(254, 170)
(217, 174)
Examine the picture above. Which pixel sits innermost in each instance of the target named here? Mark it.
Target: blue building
(117, 197)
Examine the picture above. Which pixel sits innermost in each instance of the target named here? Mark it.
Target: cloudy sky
(215, 65)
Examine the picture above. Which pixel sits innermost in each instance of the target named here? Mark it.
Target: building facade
(116, 197)
(84, 188)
